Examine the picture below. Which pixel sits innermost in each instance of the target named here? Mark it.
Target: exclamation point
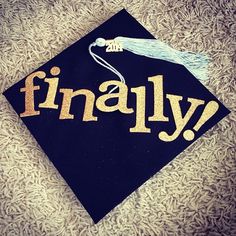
(210, 109)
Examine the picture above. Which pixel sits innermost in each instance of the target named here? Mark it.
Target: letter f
(29, 93)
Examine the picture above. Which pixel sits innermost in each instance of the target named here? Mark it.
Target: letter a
(122, 96)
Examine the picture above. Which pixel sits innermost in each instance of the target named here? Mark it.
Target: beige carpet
(194, 195)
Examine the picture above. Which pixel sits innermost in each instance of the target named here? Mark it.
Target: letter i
(52, 89)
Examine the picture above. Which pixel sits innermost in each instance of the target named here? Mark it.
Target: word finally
(121, 96)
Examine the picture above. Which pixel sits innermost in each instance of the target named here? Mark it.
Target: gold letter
(158, 99)
(122, 98)
(140, 111)
(68, 94)
(29, 93)
(52, 89)
(180, 121)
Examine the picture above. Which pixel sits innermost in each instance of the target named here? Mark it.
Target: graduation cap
(114, 108)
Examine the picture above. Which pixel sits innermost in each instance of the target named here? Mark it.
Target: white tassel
(195, 63)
